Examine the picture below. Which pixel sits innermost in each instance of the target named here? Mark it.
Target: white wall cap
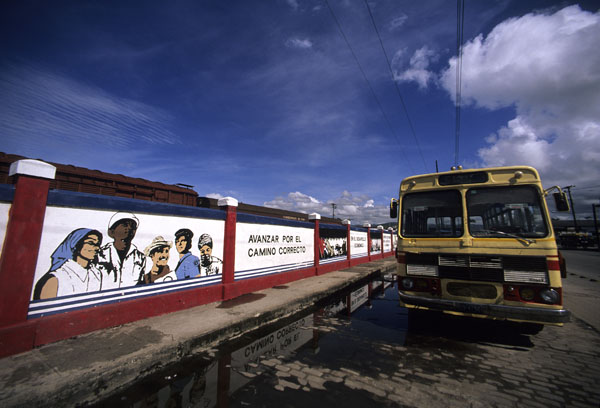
(314, 216)
(227, 201)
(346, 222)
(390, 229)
(367, 225)
(35, 168)
(380, 227)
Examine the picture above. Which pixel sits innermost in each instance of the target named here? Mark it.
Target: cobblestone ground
(443, 361)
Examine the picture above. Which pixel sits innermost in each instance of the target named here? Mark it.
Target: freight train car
(81, 179)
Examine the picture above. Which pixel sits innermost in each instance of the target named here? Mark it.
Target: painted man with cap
(121, 263)
(188, 265)
(209, 265)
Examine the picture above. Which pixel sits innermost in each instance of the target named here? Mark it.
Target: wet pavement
(93, 366)
(354, 348)
(361, 350)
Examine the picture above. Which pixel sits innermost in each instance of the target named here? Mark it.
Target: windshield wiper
(507, 234)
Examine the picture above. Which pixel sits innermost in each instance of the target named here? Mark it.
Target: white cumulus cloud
(547, 66)
(359, 209)
(299, 43)
(417, 70)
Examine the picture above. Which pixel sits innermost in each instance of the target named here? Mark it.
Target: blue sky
(265, 102)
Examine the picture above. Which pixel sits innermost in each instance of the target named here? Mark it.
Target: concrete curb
(87, 368)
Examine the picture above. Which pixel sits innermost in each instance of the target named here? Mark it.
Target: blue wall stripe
(333, 260)
(333, 226)
(265, 273)
(49, 307)
(259, 219)
(7, 192)
(359, 229)
(62, 198)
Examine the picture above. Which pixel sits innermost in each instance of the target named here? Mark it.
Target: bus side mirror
(393, 208)
(560, 200)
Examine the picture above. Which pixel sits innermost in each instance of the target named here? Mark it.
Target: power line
(586, 188)
(410, 124)
(460, 24)
(339, 26)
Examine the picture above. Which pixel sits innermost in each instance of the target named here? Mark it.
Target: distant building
(565, 225)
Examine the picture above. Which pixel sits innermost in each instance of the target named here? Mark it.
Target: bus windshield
(432, 214)
(504, 211)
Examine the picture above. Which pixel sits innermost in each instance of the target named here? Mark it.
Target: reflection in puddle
(354, 333)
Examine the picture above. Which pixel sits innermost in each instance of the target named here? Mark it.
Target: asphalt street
(582, 286)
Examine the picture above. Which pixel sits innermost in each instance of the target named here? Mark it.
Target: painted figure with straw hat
(158, 252)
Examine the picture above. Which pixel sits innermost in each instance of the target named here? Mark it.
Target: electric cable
(410, 124)
(586, 188)
(460, 24)
(339, 26)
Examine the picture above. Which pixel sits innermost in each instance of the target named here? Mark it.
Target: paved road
(383, 356)
(446, 361)
(582, 286)
(442, 364)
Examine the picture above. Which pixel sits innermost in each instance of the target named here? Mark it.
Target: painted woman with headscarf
(73, 267)
(209, 265)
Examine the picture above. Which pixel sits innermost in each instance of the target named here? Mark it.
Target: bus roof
(491, 175)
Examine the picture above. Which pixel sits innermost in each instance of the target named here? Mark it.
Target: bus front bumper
(540, 315)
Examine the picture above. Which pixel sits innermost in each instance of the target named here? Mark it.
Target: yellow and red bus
(480, 243)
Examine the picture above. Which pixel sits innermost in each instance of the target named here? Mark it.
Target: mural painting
(188, 265)
(333, 245)
(358, 244)
(210, 265)
(4, 211)
(74, 266)
(387, 242)
(265, 249)
(88, 261)
(158, 251)
(375, 242)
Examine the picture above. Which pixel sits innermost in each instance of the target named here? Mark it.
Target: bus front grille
(488, 268)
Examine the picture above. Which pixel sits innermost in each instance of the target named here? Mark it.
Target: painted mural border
(69, 303)
(359, 229)
(261, 219)
(333, 227)
(62, 198)
(340, 258)
(271, 270)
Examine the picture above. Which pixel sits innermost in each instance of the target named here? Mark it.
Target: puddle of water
(354, 331)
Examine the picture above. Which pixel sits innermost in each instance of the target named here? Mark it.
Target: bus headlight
(550, 296)
(408, 283)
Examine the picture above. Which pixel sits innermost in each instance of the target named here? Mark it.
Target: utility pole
(568, 188)
(596, 225)
(333, 206)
